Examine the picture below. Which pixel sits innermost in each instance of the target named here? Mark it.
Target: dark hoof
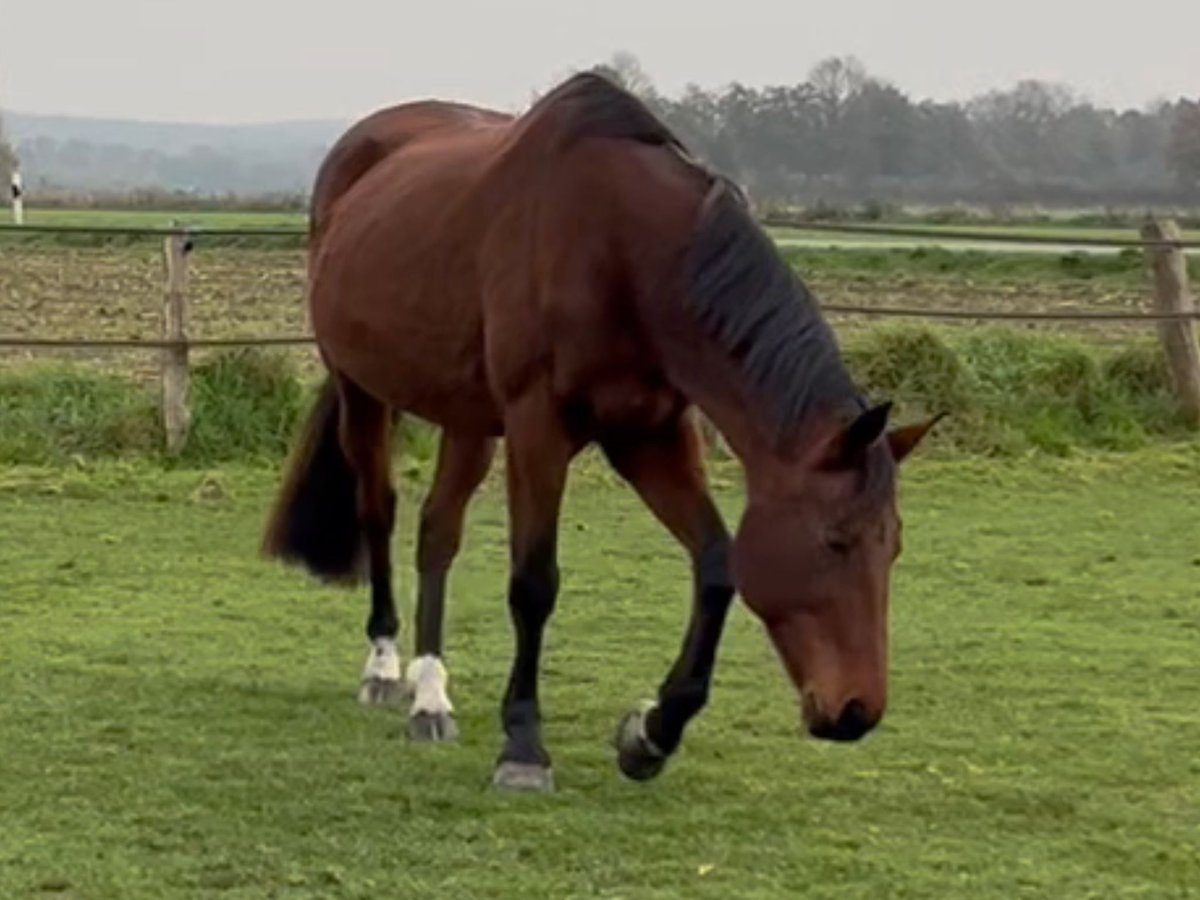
(432, 727)
(526, 777)
(638, 759)
(383, 692)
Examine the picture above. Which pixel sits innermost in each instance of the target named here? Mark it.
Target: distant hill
(86, 154)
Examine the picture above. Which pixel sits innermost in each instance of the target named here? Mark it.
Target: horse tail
(315, 523)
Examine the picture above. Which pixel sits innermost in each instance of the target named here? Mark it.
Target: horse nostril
(853, 722)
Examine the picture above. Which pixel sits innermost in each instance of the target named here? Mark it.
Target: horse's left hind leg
(666, 469)
(365, 434)
(462, 464)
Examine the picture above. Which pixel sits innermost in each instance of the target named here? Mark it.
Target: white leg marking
(383, 662)
(427, 677)
(381, 684)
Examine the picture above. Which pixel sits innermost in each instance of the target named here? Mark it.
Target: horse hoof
(637, 757)
(525, 777)
(382, 692)
(432, 727)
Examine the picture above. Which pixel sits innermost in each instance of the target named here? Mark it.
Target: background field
(1063, 229)
(179, 717)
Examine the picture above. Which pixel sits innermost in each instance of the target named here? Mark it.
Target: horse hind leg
(463, 463)
(365, 435)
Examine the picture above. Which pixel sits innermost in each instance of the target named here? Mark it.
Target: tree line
(845, 135)
(841, 136)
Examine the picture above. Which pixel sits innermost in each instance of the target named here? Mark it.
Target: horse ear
(904, 441)
(850, 444)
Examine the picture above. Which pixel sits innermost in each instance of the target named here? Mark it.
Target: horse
(571, 277)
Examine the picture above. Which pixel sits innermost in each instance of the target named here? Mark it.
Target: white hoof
(381, 683)
(431, 718)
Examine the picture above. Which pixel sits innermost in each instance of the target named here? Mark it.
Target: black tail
(315, 521)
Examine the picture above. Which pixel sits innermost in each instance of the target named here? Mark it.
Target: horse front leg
(538, 454)
(665, 467)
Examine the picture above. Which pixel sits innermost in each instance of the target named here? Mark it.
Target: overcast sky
(250, 60)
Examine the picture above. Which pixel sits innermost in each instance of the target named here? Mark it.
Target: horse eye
(839, 545)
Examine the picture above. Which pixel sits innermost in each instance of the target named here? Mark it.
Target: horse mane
(738, 286)
(589, 104)
(751, 302)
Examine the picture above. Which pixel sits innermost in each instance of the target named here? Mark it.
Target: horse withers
(570, 277)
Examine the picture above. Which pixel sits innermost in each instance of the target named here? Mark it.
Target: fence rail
(978, 236)
(975, 236)
(154, 230)
(1161, 243)
(898, 312)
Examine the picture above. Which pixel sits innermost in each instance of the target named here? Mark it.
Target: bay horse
(573, 277)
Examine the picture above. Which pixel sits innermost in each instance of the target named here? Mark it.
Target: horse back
(373, 138)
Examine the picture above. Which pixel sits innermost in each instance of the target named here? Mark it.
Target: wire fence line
(297, 340)
(1069, 239)
(284, 340)
(163, 231)
(770, 221)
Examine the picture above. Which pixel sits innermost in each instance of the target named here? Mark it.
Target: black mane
(590, 105)
(738, 287)
(754, 306)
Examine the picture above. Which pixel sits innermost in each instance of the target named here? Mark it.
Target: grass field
(179, 717)
(206, 219)
(135, 218)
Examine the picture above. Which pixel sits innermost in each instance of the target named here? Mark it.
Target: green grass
(179, 717)
(1007, 392)
(134, 218)
(951, 267)
(236, 219)
(297, 220)
(245, 405)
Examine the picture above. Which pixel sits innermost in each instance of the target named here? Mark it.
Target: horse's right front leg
(667, 470)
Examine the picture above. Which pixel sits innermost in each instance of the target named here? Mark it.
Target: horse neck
(771, 457)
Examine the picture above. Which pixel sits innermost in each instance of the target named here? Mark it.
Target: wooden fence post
(17, 193)
(175, 414)
(1167, 266)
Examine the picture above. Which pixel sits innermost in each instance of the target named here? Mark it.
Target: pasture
(179, 717)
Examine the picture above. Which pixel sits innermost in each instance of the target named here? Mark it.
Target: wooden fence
(1174, 311)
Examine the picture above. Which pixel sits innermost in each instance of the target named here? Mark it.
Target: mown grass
(1126, 267)
(179, 717)
(153, 218)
